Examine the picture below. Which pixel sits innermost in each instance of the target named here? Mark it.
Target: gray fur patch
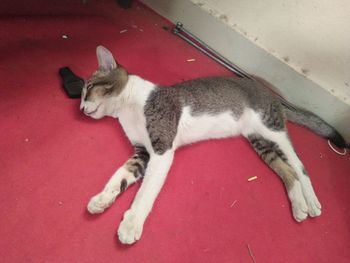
(272, 116)
(123, 185)
(162, 111)
(218, 94)
(274, 157)
(267, 150)
(309, 120)
(314, 123)
(137, 164)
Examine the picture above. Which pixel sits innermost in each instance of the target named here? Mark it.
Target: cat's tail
(314, 123)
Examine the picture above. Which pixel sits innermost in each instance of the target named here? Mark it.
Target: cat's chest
(134, 126)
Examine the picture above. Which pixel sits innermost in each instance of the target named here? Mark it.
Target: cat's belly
(207, 126)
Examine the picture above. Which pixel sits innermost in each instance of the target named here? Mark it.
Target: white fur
(130, 229)
(103, 200)
(204, 126)
(131, 110)
(299, 206)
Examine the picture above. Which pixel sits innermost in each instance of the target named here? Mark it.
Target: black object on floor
(125, 3)
(72, 84)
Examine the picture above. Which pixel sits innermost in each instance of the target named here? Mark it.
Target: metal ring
(335, 150)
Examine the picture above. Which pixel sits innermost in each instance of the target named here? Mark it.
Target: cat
(158, 120)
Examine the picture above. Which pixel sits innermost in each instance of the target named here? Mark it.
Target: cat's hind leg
(132, 170)
(314, 206)
(275, 148)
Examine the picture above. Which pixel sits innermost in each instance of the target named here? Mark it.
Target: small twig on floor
(252, 178)
(234, 202)
(251, 253)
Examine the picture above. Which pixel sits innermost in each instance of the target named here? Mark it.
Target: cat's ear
(105, 58)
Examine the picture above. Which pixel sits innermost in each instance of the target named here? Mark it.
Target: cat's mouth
(91, 112)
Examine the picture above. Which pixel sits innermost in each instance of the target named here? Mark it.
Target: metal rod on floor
(205, 51)
(180, 31)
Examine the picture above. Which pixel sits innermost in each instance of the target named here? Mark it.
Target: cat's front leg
(129, 173)
(130, 228)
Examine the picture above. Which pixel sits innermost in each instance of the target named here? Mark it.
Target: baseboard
(292, 85)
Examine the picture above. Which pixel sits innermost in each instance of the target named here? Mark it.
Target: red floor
(53, 158)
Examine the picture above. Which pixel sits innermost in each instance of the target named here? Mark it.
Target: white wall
(312, 36)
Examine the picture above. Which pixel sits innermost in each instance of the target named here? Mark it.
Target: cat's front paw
(100, 202)
(130, 229)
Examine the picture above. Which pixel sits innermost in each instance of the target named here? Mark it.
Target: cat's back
(211, 95)
(218, 94)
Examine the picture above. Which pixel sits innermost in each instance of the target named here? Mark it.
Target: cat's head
(100, 94)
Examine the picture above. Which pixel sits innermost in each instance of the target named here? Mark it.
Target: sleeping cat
(159, 120)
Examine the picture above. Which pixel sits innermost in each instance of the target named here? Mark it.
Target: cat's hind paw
(299, 212)
(314, 207)
(299, 206)
(302, 207)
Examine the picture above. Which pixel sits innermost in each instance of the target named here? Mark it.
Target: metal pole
(206, 52)
(182, 32)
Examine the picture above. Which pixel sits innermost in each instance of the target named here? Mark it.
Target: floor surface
(53, 158)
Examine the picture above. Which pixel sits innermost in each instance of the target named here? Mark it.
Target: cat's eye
(89, 85)
(107, 91)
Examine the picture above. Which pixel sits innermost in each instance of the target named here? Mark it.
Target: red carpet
(53, 158)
